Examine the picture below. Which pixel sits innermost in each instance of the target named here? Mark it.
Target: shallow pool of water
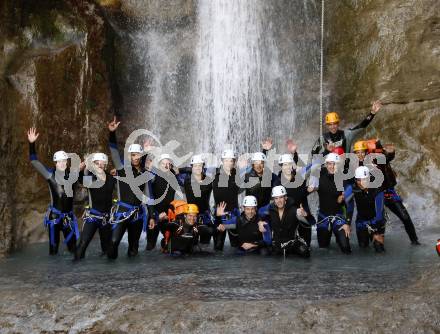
(327, 274)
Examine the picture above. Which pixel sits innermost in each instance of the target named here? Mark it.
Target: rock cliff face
(53, 75)
(390, 50)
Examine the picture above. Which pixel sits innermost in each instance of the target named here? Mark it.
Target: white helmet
(197, 159)
(250, 201)
(100, 156)
(135, 148)
(60, 155)
(228, 154)
(279, 191)
(285, 159)
(258, 156)
(362, 172)
(165, 156)
(332, 157)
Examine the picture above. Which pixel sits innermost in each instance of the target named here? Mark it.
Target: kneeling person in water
(283, 220)
(182, 232)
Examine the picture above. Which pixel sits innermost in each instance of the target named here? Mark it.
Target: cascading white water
(238, 76)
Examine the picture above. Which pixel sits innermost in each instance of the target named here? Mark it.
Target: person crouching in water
(283, 221)
(250, 228)
(59, 216)
(370, 222)
(182, 232)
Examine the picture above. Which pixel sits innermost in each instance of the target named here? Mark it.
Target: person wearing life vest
(282, 217)
(59, 216)
(198, 189)
(163, 187)
(331, 217)
(251, 238)
(370, 221)
(100, 185)
(183, 231)
(226, 191)
(336, 138)
(129, 213)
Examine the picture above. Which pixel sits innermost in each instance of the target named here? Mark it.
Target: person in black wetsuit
(183, 231)
(59, 216)
(331, 217)
(129, 214)
(226, 190)
(100, 186)
(198, 189)
(393, 201)
(339, 141)
(163, 190)
(282, 216)
(370, 222)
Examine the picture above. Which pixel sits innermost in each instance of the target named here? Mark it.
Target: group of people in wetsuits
(273, 218)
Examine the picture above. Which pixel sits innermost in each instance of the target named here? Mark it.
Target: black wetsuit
(330, 214)
(248, 232)
(97, 215)
(284, 230)
(182, 237)
(60, 216)
(225, 189)
(199, 193)
(261, 193)
(128, 203)
(299, 196)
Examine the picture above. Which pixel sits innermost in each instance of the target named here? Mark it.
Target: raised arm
(113, 144)
(42, 169)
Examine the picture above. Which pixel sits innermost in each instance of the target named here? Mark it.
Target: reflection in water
(226, 276)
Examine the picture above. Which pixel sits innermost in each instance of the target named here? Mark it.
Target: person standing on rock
(370, 221)
(337, 140)
(59, 216)
(129, 213)
(100, 185)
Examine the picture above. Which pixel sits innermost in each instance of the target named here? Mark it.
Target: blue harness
(328, 222)
(134, 213)
(391, 195)
(68, 219)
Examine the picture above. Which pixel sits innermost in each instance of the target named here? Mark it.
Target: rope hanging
(321, 106)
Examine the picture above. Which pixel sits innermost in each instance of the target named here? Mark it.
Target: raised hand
(376, 106)
(291, 146)
(389, 148)
(221, 209)
(113, 125)
(267, 144)
(148, 144)
(32, 135)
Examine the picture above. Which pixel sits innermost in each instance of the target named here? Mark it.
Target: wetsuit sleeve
(379, 203)
(42, 169)
(351, 133)
(317, 147)
(116, 157)
(349, 202)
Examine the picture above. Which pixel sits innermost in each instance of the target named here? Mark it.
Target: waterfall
(228, 74)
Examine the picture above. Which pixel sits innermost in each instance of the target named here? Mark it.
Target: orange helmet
(180, 209)
(360, 145)
(331, 117)
(172, 211)
(372, 146)
(192, 209)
